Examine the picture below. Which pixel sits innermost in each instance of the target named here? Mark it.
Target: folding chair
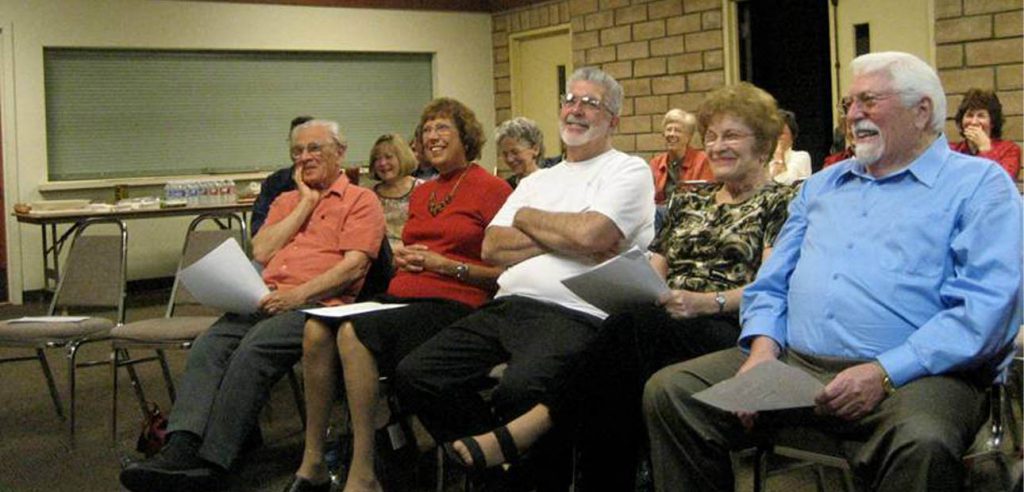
(172, 332)
(94, 278)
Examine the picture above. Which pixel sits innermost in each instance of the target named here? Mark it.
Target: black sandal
(505, 442)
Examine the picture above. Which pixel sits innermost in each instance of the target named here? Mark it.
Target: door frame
(514, 46)
(10, 168)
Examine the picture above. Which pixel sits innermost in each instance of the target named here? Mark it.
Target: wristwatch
(720, 299)
(462, 272)
(886, 380)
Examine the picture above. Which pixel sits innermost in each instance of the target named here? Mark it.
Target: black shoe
(300, 484)
(163, 474)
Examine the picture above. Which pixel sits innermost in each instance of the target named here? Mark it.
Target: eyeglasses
(442, 129)
(866, 100)
(590, 102)
(730, 137)
(313, 148)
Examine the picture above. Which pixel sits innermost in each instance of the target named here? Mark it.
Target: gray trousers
(228, 377)
(913, 440)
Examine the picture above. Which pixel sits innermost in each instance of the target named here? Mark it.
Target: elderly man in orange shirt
(316, 247)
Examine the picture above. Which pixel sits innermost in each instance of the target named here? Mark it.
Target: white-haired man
(895, 282)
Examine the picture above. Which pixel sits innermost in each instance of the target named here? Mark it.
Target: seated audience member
(276, 183)
(391, 161)
(713, 242)
(980, 122)
(520, 143)
(424, 171)
(895, 282)
(316, 247)
(440, 276)
(847, 147)
(787, 165)
(559, 222)
(680, 162)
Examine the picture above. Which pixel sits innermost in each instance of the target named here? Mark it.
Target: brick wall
(978, 43)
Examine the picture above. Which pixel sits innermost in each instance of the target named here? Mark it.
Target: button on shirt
(920, 269)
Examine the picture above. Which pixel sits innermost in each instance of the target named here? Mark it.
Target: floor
(35, 454)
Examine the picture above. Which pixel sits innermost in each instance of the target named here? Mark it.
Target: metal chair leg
(166, 369)
(760, 468)
(72, 352)
(51, 384)
(140, 394)
(114, 360)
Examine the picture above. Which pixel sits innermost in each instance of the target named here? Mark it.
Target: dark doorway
(784, 49)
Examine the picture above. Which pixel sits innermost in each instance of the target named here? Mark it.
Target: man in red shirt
(316, 247)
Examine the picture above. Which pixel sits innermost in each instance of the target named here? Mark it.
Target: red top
(695, 166)
(457, 232)
(346, 218)
(837, 157)
(1003, 152)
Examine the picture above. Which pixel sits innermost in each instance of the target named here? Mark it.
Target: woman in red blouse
(440, 277)
(980, 121)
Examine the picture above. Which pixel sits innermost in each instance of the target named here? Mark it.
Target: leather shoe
(299, 484)
(162, 474)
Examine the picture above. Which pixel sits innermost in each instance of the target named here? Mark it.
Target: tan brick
(502, 84)
(630, 15)
(599, 20)
(501, 70)
(707, 40)
(690, 62)
(649, 30)
(989, 6)
(649, 66)
(963, 29)
(634, 124)
(499, 39)
(699, 5)
(633, 51)
(619, 70)
(682, 24)
(668, 46)
(995, 52)
(579, 58)
(563, 13)
(627, 106)
(636, 87)
(1010, 77)
(503, 100)
(586, 40)
(712, 19)
(1013, 128)
(966, 78)
(713, 59)
(704, 81)
(656, 119)
(949, 56)
(501, 54)
(616, 35)
(581, 7)
(577, 24)
(613, 4)
(669, 85)
(513, 23)
(952, 103)
(951, 132)
(541, 19)
(664, 8)
(499, 23)
(524, 20)
(600, 55)
(650, 142)
(624, 143)
(651, 104)
(1009, 24)
(502, 115)
(687, 102)
(1012, 101)
(948, 8)
(554, 16)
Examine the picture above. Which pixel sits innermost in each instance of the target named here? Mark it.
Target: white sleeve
(626, 195)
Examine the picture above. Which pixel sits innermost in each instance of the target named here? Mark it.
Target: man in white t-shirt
(560, 221)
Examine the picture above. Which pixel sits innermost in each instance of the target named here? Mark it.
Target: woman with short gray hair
(520, 145)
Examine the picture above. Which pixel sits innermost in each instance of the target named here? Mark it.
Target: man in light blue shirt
(896, 281)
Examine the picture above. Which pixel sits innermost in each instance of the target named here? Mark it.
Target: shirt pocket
(917, 243)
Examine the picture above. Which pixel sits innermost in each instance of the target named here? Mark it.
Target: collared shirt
(668, 175)
(347, 218)
(1003, 152)
(919, 269)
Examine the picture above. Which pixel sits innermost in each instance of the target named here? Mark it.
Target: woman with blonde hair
(391, 164)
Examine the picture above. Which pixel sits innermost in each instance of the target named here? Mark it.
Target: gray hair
(612, 89)
(911, 77)
(676, 115)
(523, 130)
(331, 126)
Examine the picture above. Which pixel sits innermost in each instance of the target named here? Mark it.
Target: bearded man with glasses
(315, 247)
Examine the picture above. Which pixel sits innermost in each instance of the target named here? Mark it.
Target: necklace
(435, 207)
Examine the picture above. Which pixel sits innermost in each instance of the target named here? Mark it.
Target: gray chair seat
(42, 332)
(177, 328)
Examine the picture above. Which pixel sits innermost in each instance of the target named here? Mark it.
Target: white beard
(576, 140)
(868, 154)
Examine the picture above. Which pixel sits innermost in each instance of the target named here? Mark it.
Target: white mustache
(866, 125)
(576, 121)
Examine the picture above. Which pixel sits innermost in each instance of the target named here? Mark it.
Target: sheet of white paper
(771, 385)
(226, 280)
(49, 319)
(351, 309)
(623, 281)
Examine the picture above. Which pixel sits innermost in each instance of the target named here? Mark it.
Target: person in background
(391, 162)
(315, 248)
(843, 145)
(440, 277)
(276, 183)
(680, 162)
(895, 282)
(424, 170)
(787, 165)
(520, 144)
(980, 122)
